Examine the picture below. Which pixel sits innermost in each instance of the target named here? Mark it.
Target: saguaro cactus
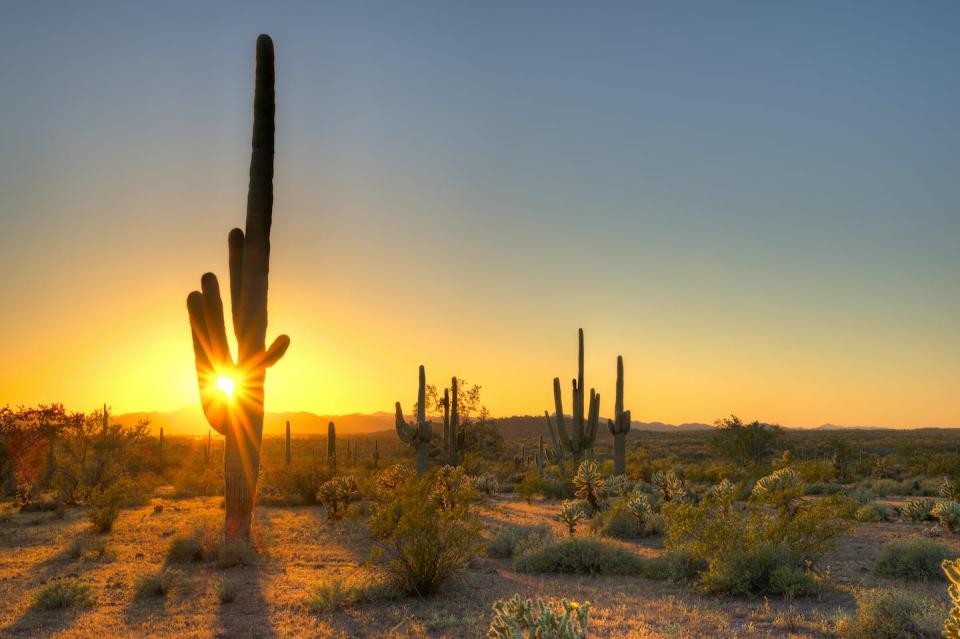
(619, 426)
(446, 421)
(541, 454)
(232, 392)
(287, 448)
(418, 434)
(454, 424)
(583, 432)
(332, 447)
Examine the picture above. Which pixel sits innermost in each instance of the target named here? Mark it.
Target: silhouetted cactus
(619, 426)
(376, 453)
(418, 434)
(583, 431)
(332, 447)
(286, 451)
(453, 436)
(240, 418)
(541, 455)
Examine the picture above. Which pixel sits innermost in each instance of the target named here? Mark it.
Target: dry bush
(156, 584)
(67, 592)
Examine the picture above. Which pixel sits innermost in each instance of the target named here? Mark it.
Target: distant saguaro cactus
(620, 426)
(583, 432)
(453, 455)
(287, 448)
(418, 434)
(332, 447)
(376, 453)
(541, 455)
(232, 392)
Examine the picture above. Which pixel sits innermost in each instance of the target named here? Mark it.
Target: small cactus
(570, 513)
(419, 433)
(591, 486)
(947, 513)
(620, 426)
(336, 495)
(951, 627)
(639, 506)
(516, 619)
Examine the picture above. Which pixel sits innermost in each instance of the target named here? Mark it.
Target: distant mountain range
(189, 420)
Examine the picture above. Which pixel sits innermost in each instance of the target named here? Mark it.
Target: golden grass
(299, 550)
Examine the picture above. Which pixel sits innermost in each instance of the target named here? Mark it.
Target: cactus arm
(403, 429)
(618, 402)
(561, 426)
(590, 431)
(422, 396)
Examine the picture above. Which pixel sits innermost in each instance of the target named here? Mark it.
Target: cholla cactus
(591, 486)
(417, 434)
(781, 488)
(516, 619)
(722, 490)
(570, 513)
(336, 494)
(672, 486)
(919, 509)
(947, 513)
(620, 426)
(449, 486)
(640, 507)
(580, 438)
(618, 485)
(951, 627)
(392, 477)
(948, 490)
(486, 484)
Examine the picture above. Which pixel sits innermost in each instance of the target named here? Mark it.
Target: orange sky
(764, 226)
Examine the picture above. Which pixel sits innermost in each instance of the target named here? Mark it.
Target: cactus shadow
(248, 616)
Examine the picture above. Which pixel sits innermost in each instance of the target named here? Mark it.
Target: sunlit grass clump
(67, 592)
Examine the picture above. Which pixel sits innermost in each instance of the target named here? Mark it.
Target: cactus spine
(619, 426)
(418, 434)
(287, 449)
(579, 440)
(332, 447)
(240, 419)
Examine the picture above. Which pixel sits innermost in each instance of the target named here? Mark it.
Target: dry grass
(301, 554)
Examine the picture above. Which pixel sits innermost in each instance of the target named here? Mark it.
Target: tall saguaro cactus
(231, 392)
(417, 434)
(286, 451)
(583, 431)
(454, 423)
(619, 426)
(332, 447)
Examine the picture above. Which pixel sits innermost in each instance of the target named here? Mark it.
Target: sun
(226, 384)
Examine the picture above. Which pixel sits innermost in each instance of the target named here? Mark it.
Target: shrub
(305, 482)
(486, 484)
(756, 550)
(570, 513)
(424, 530)
(156, 584)
(516, 619)
(917, 559)
(504, 541)
(236, 553)
(584, 555)
(226, 589)
(530, 486)
(918, 510)
(626, 522)
(887, 614)
(67, 592)
(876, 512)
(105, 506)
(336, 494)
(948, 514)
(330, 595)
(591, 487)
(200, 544)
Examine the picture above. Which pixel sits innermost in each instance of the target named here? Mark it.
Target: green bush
(917, 559)
(105, 506)
(889, 614)
(585, 555)
(622, 522)
(425, 529)
(759, 549)
(67, 592)
(875, 512)
(516, 619)
(504, 541)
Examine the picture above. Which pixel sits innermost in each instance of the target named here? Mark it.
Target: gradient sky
(756, 203)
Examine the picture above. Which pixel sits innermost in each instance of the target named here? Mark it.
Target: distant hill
(189, 420)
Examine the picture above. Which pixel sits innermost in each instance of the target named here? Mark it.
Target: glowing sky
(757, 205)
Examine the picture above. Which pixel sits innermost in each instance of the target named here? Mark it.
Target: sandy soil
(300, 547)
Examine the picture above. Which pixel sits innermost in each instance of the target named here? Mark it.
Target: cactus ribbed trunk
(332, 447)
(241, 467)
(417, 435)
(620, 425)
(453, 457)
(286, 456)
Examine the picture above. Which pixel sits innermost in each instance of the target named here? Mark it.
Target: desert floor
(300, 547)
